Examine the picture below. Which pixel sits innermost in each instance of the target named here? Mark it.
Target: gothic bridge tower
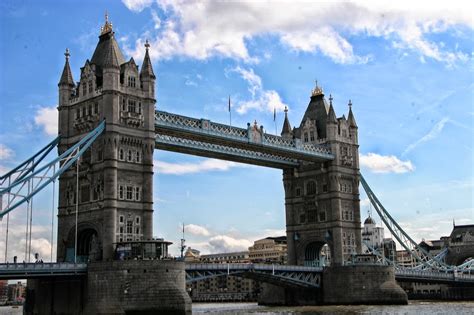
(114, 191)
(322, 199)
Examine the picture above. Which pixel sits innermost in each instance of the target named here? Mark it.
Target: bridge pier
(113, 287)
(355, 284)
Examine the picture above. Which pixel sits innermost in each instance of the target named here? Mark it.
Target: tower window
(96, 108)
(132, 106)
(131, 81)
(78, 113)
(311, 188)
(137, 157)
(123, 103)
(305, 137)
(121, 219)
(84, 114)
(311, 135)
(121, 193)
(129, 226)
(121, 157)
(129, 156)
(84, 89)
(129, 193)
(137, 197)
(139, 107)
(89, 110)
(121, 230)
(90, 86)
(137, 219)
(298, 192)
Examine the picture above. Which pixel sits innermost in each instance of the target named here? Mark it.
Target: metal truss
(202, 148)
(252, 138)
(27, 166)
(295, 276)
(425, 260)
(23, 188)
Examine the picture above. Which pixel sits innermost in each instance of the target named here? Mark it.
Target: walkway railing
(33, 270)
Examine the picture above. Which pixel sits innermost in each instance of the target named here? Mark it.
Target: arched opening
(317, 254)
(88, 245)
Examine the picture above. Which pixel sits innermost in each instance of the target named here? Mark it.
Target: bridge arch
(317, 254)
(88, 243)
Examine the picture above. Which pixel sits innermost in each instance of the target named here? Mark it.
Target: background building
(269, 250)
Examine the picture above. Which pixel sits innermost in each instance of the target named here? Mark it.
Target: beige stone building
(269, 250)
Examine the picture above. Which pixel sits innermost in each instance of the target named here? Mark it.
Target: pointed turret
(147, 68)
(286, 131)
(331, 114)
(147, 76)
(351, 119)
(66, 77)
(317, 110)
(107, 53)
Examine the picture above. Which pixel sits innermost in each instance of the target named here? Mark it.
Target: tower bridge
(108, 131)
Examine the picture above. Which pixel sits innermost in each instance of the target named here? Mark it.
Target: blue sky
(408, 71)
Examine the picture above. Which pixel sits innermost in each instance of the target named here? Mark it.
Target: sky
(407, 68)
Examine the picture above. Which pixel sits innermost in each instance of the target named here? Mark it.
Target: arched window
(137, 157)
(120, 192)
(305, 137)
(311, 188)
(311, 135)
(129, 156)
(121, 157)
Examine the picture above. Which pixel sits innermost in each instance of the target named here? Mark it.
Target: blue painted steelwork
(253, 138)
(27, 166)
(222, 151)
(16, 190)
(299, 276)
(425, 259)
(35, 270)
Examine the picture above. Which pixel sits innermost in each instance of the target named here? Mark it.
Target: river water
(414, 307)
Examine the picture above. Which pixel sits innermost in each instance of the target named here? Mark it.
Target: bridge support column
(362, 284)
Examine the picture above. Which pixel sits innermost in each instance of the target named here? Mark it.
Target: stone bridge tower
(322, 199)
(115, 180)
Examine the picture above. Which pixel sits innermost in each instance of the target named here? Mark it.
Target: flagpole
(274, 120)
(230, 114)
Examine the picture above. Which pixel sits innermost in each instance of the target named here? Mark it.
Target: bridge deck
(34, 270)
(252, 145)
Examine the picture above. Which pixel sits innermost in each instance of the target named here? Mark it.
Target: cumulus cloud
(47, 119)
(5, 152)
(206, 29)
(432, 134)
(225, 243)
(385, 163)
(261, 99)
(196, 230)
(191, 168)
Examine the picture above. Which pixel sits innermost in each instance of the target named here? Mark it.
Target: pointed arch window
(137, 157)
(305, 137)
(121, 155)
(129, 156)
(311, 135)
(90, 86)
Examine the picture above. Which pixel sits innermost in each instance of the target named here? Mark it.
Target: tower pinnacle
(350, 118)
(107, 26)
(147, 68)
(317, 90)
(66, 76)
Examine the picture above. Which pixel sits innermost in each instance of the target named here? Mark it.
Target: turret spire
(107, 26)
(66, 77)
(332, 115)
(286, 130)
(350, 118)
(317, 90)
(147, 68)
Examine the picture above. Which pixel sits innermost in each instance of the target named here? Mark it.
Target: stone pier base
(362, 284)
(115, 287)
(273, 295)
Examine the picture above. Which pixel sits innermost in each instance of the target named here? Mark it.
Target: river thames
(414, 307)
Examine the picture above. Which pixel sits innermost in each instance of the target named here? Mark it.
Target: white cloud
(196, 230)
(206, 29)
(137, 5)
(385, 163)
(191, 168)
(261, 100)
(5, 152)
(47, 118)
(433, 133)
(224, 243)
